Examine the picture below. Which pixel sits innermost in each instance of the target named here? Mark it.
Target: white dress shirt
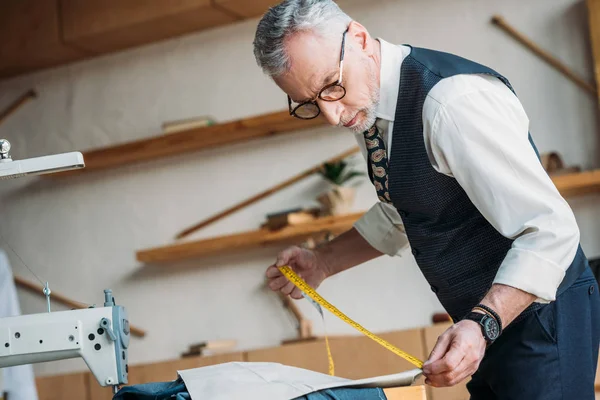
(476, 131)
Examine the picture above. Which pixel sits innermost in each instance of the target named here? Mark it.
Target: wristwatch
(489, 326)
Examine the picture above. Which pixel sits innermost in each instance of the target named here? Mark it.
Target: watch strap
(493, 313)
(480, 318)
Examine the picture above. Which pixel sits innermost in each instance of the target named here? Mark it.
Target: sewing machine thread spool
(109, 301)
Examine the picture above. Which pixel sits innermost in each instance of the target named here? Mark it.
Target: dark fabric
(174, 390)
(595, 265)
(345, 394)
(457, 249)
(550, 355)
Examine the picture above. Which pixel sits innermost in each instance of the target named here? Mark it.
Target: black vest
(457, 249)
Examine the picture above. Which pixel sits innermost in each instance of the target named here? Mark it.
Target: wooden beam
(38, 289)
(266, 193)
(15, 105)
(594, 23)
(169, 145)
(578, 184)
(245, 240)
(544, 55)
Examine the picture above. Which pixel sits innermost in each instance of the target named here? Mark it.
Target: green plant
(338, 173)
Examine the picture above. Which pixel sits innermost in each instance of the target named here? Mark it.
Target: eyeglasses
(332, 92)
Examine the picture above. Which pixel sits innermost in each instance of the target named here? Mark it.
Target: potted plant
(340, 197)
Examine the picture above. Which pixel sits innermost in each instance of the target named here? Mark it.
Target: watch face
(491, 328)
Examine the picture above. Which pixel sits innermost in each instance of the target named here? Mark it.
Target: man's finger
(296, 294)
(278, 283)
(273, 272)
(464, 370)
(288, 288)
(453, 376)
(450, 361)
(438, 351)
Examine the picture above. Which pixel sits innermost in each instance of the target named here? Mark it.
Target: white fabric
(273, 381)
(19, 381)
(476, 130)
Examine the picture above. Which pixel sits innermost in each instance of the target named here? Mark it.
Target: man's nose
(331, 110)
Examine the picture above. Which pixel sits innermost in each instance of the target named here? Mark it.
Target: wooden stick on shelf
(593, 8)
(262, 237)
(264, 194)
(38, 289)
(500, 22)
(191, 140)
(18, 103)
(304, 325)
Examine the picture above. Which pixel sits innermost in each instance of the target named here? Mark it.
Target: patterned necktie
(377, 163)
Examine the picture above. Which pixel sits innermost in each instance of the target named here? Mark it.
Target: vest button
(591, 290)
(402, 213)
(434, 289)
(415, 252)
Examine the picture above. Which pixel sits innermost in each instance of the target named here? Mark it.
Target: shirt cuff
(525, 270)
(382, 228)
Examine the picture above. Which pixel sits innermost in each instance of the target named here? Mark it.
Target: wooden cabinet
(103, 26)
(30, 37)
(161, 372)
(70, 386)
(355, 357)
(246, 8)
(37, 34)
(360, 357)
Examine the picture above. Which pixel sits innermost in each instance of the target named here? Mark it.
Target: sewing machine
(99, 335)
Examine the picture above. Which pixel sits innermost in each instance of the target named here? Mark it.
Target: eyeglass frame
(337, 83)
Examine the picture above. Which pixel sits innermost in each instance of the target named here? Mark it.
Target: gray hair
(290, 16)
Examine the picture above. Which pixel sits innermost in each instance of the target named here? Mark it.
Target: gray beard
(369, 112)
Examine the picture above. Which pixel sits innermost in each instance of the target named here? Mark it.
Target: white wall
(82, 234)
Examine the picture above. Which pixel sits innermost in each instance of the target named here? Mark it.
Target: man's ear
(360, 36)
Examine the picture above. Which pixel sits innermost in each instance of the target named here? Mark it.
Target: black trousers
(551, 354)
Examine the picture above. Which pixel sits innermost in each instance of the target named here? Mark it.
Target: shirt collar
(391, 60)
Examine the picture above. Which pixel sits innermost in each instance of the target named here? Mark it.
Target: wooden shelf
(167, 145)
(578, 183)
(245, 240)
(568, 185)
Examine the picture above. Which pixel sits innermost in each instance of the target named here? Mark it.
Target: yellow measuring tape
(312, 294)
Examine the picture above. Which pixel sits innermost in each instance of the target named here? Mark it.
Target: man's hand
(456, 355)
(459, 351)
(306, 263)
(343, 252)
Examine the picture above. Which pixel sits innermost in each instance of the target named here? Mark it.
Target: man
(459, 180)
